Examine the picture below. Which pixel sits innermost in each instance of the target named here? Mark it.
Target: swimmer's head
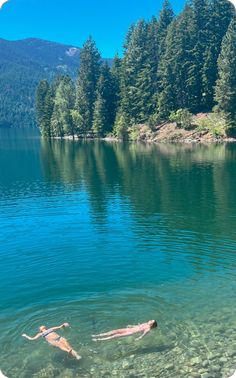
(42, 328)
(152, 323)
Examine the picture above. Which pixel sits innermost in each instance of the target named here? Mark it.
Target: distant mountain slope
(22, 65)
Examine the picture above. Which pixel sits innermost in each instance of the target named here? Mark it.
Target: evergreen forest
(172, 65)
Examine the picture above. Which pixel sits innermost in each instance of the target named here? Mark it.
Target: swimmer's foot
(78, 357)
(75, 354)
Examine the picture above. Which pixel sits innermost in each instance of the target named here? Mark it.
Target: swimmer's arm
(60, 327)
(32, 338)
(143, 334)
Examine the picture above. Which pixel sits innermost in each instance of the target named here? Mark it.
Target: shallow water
(107, 234)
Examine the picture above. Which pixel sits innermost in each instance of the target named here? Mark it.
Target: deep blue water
(107, 234)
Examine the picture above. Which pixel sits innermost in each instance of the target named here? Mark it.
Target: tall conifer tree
(44, 107)
(177, 71)
(136, 80)
(226, 84)
(116, 76)
(104, 111)
(64, 101)
(165, 19)
(87, 83)
(220, 16)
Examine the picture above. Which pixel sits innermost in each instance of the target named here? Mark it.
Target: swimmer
(54, 339)
(130, 330)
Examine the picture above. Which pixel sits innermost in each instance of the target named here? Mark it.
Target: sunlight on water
(107, 234)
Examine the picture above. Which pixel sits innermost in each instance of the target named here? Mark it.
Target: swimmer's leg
(66, 347)
(115, 336)
(105, 334)
(110, 333)
(75, 354)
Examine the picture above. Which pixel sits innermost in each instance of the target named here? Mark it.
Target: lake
(105, 234)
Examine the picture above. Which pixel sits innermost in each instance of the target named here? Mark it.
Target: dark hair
(154, 325)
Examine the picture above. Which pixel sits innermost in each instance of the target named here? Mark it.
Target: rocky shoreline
(170, 133)
(205, 128)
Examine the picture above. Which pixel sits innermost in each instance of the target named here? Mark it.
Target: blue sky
(72, 21)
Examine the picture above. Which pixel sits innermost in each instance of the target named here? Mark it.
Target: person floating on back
(128, 331)
(54, 339)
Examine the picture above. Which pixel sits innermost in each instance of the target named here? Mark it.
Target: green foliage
(105, 104)
(154, 120)
(167, 76)
(135, 78)
(219, 18)
(44, 108)
(182, 117)
(140, 82)
(99, 116)
(134, 133)
(77, 120)
(188, 68)
(169, 71)
(140, 132)
(214, 122)
(87, 83)
(121, 126)
(226, 84)
(64, 102)
(116, 75)
(165, 19)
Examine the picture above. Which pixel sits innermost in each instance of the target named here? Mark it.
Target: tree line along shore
(177, 75)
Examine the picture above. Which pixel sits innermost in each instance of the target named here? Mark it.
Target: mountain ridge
(23, 63)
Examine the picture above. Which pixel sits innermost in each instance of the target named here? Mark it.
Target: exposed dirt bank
(169, 132)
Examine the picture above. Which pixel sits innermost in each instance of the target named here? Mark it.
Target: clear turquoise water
(107, 234)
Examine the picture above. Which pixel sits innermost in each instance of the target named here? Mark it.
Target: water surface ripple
(108, 234)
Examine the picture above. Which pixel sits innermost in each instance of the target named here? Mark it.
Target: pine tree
(99, 116)
(44, 107)
(220, 15)
(200, 41)
(64, 101)
(87, 83)
(116, 75)
(176, 72)
(136, 79)
(226, 84)
(169, 64)
(167, 99)
(156, 46)
(153, 58)
(104, 112)
(121, 126)
(165, 19)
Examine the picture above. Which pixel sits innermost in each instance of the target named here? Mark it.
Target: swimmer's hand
(32, 338)
(66, 325)
(143, 334)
